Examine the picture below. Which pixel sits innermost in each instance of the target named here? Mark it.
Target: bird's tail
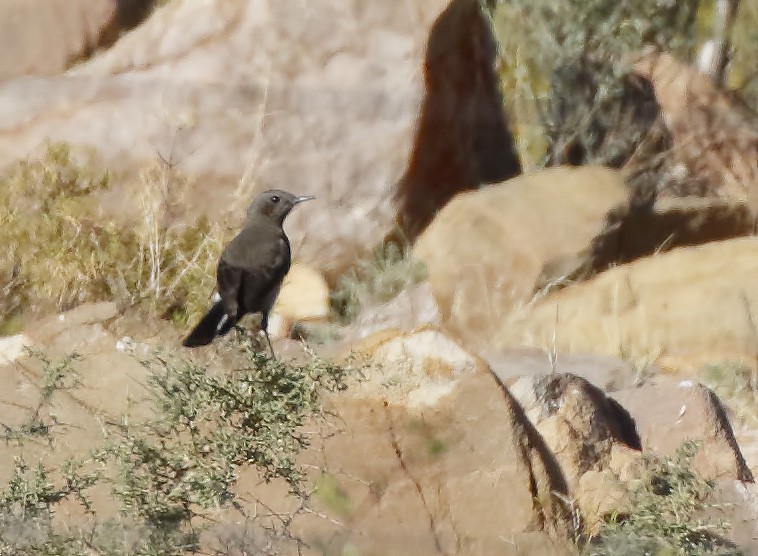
(215, 323)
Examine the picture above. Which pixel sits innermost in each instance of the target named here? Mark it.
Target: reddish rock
(670, 413)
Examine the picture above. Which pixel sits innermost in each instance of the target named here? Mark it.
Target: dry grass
(58, 255)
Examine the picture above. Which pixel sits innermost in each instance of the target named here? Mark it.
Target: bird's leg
(273, 355)
(264, 327)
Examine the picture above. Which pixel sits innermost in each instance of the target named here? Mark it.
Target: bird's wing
(250, 273)
(229, 280)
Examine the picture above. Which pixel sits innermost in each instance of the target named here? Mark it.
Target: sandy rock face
(580, 424)
(12, 347)
(43, 37)
(715, 136)
(670, 413)
(634, 231)
(460, 466)
(412, 308)
(320, 98)
(690, 300)
(304, 297)
(604, 371)
(485, 249)
(107, 376)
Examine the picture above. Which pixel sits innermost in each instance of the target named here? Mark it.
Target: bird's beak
(304, 198)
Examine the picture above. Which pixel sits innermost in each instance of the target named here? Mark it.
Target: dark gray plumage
(251, 268)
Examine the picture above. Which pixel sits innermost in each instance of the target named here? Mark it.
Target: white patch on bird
(216, 297)
(222, 322)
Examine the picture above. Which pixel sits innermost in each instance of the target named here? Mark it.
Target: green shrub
(56, 376)
(171, 473)
(376, 279)
(672, 514)
(597, 39)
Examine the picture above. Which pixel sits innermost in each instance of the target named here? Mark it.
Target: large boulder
(435, 455)
(582, 426)
(690, 300)
(344, 99)
(714, 133)
(44, 37)
(486, 248)
(636, 231)
(685, 411)
(427, 451)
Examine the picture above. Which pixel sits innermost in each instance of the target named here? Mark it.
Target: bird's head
(275, 204)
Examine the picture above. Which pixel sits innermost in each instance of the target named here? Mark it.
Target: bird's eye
(275, 198)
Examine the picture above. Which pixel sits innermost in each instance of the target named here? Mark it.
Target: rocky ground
(559, 337)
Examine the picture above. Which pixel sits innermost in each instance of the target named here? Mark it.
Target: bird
(251, 268)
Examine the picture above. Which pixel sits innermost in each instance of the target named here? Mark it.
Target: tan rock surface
(485, 249)
(110, 384)
(319, 98)
(430, 452)
(715, 134)
(640, 231)
(453, 463)
(740, 510)
(44, 37)
(669, 413)
(693, 299)
(580, 424)
(304, 296)
(601, 494)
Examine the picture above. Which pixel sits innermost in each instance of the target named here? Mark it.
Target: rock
(739, 508)
(110, 384)
(304, 297)
(429, 451)
(454, 467)
(657, 306)
(485, 249)
(70, 330)
(639, 231)
(601, 494)
(12, 347)
(686, 411)
(411, 308)
(44, 37)
(715, 134)
(579, 423)
(425, 365)
(212, 87)
(608, 373)
(303, 303)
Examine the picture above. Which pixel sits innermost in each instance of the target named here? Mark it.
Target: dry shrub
(58, 255)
